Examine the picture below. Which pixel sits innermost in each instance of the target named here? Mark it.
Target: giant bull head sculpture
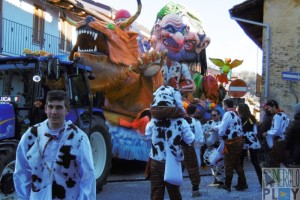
(112, 53)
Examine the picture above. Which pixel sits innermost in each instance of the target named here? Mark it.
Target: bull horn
(129, 21)
(68, 19)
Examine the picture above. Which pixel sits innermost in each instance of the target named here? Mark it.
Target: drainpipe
(268, 41)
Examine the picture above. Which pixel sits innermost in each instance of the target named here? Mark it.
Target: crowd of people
(222, 143)
(58, 149)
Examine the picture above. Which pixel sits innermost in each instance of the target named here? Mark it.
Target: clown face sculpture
(184, 39)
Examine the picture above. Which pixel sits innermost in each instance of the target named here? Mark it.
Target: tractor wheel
(100, 140)
(7, 167)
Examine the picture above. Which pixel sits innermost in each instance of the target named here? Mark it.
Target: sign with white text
(281, 184)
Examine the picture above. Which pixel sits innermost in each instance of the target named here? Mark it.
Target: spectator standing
(251, 143)
(292, 143)
(264, 126)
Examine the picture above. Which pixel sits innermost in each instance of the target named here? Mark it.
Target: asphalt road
(127, 182)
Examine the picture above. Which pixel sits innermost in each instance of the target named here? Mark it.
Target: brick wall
(284, 18)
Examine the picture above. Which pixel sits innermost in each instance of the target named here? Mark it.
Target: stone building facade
(284, 20)
(274, 25)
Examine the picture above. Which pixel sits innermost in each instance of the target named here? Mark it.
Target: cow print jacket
(168, 134)
(66, 155)
(280, 123)
(250, 134)
(231, 126)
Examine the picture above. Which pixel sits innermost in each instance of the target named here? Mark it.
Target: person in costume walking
(54, 158)
(212, 141)
(167, 129)
(230, 130)
(192, 152)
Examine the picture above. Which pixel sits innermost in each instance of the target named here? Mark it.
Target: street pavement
(126, 184)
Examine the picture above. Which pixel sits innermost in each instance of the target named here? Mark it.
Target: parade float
(111, 77)
(126, 78)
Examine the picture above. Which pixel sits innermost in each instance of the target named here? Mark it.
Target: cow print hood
(166, 96)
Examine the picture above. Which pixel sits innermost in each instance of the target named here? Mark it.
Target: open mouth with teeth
(91, 41)
(171, 44)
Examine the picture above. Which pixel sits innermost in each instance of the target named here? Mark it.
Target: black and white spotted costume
(279, 124)
(167, 131)
(228, 130)
(250, 132)
(68, 156)
(176, 70)
(212, 156)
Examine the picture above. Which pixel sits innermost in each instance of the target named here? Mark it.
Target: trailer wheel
(100, 140)
(7, 167)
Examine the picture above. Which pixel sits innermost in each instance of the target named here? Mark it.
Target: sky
(228, 39)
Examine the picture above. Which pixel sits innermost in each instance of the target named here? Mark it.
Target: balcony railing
(16, 37)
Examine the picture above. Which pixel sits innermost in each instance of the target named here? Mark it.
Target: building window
(65, 36)
(38, 26)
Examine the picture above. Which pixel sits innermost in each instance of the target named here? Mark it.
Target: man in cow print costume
(212, 141)
(276, 135)
(192, 152)
(54, 158)
(166, 129)
(230, 130)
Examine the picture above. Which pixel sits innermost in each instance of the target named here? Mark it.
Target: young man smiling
(54, 158)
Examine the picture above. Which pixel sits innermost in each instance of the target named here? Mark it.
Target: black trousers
(254, 161)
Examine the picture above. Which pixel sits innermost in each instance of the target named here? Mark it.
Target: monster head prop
(179, 31)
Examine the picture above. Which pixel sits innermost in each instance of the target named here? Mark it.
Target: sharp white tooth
(79, 50)
(95, 36)
(89, 32)
(95, 49)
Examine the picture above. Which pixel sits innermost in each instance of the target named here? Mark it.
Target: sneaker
(220, 183)
(224, 187)
(241, 187)
(196, 194)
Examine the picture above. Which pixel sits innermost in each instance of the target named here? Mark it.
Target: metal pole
(268, 41)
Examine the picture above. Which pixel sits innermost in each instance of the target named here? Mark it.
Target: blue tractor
(24, 82)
